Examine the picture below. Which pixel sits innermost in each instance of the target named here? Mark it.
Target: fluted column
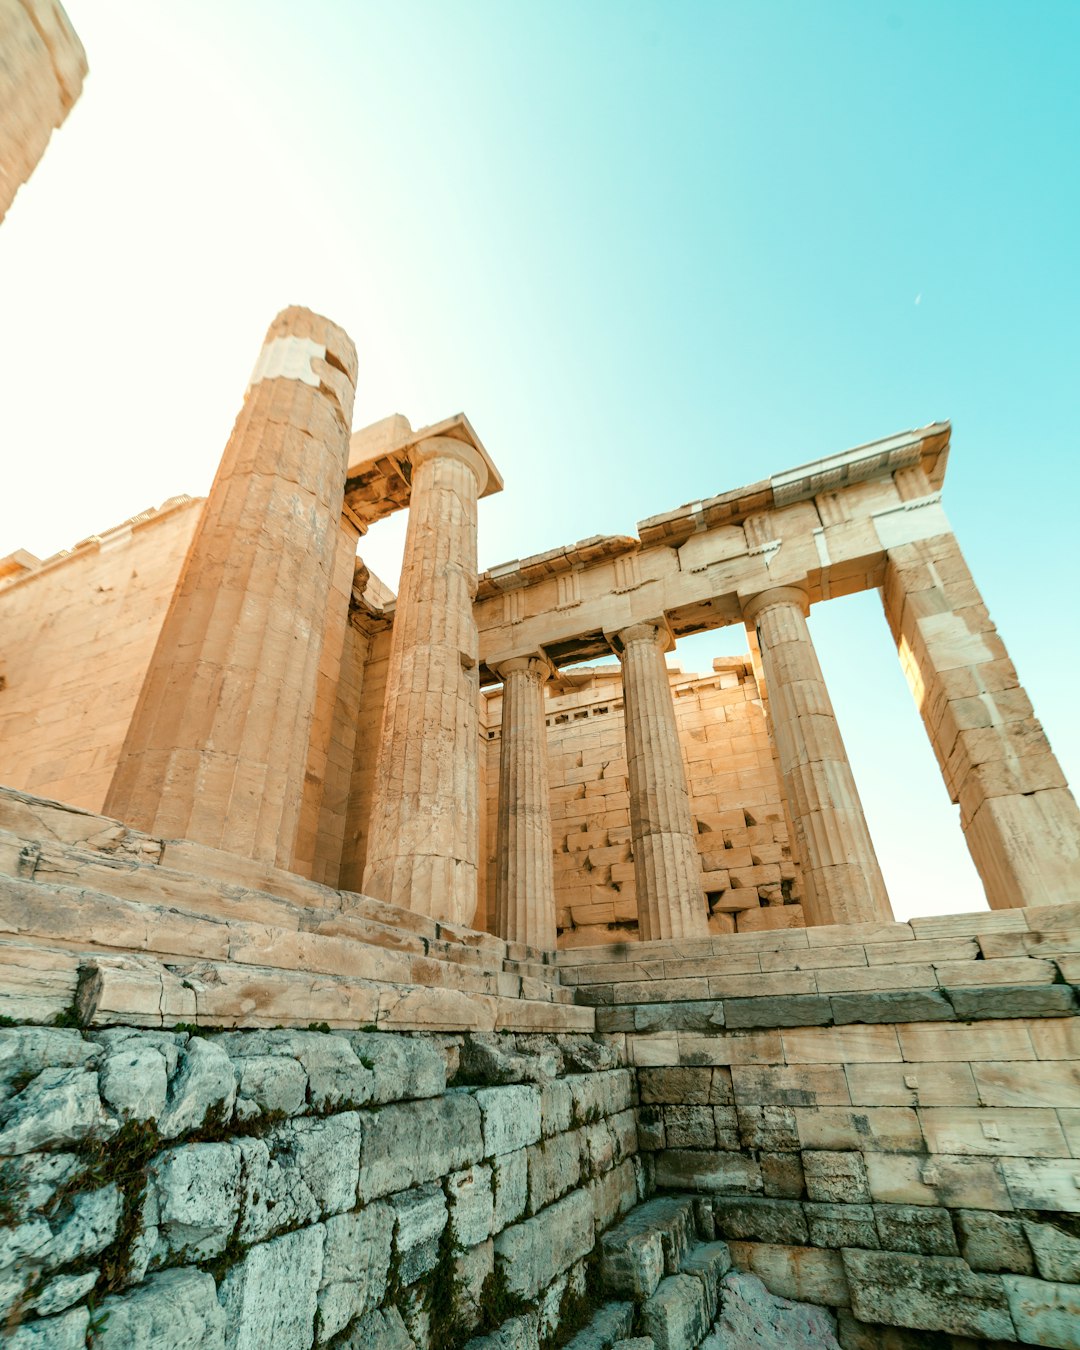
(667, 865)
(841, 876)
(525, 874)
(424, 842)
(218, 743)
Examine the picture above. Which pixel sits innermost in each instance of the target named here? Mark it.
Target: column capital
(654, 631)
(777, 595)
(447, 447)
(536, 665)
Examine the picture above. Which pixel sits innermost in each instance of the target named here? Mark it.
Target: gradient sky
(654, 250)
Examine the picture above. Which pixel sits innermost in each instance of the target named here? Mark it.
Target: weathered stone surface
(906, 1005)
(204, 1087)
(25, 1051)
(587, 1056)
(684, 1086)
(782, 1175)
(62, 1292)
(991, 1242)
(768, 1127)
(1044, 1313)
(535, 1251)
(511, 1117)
(1057, 1253)
(915, 1228)
(555, 1167)
(632, 1262)
(676, 1316)
(270, 1084)
(707, 1170)
(303, 1170)
(89, 1228)
(556, 1107)
(751, 1316)
(419, 1219)
(176, 1310)
(779, 1010)
(510, 1183)
(938, 1293)
(517, 1333)
(693, 1015)
(802, 1274)
(836, 1226)
(689, 1127)
(271, 1296)
(197, 1196)
(709, 1262)
(609, 1323)
(751, 1219)
(601, 1094)
(379, 1331)
(836, 1177)
(134, 1081)
(66, 1332)
(471, 1270)
(1039, 1000)
(471, 1205)
(356, 1261)
(403, 1067)
(57, 1108)
(406, 1144)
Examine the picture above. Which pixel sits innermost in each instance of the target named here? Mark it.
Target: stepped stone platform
(149, 932)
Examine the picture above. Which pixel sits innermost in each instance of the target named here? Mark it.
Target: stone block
(632, 1263)
(749, 1219)
(134, 1081)
(799, 1273)
(689, 1127)
(707, 1170)
(176, 1310)
(789, 1085)
(679, 1086)
(1043, 1312)
(650, 1128)
(472, 1205)
(90, 1227)
(270, 1297)
(419, 1219)
(534, 1251)
(383, 1330)
(1040, 1000)
(885, 1129)
(472, 1268)
(614, 1193)
(709, 1262)
(196, 1192)
(511, 1117)
(916, 1228)
(928, 1293)
(701, 1015)
(782, 1175)
(997, 1131)
(321, 1155)
(993, 1242)
(768, 1127)
(778, 1010)
(836, 1177)
(356, 1262)
(204, 1086)
(555, 1167)
(403, 1067)
(58, 1107)
(270, 1084)
(510, 1183)
(556, 1107)
(66, 1332)
(836, 1226)
(1057, 1252)
(751, 1316)
(900, 1005)
(601, 1094)
(609, 1324)
(676, 1316)
(404, 1145)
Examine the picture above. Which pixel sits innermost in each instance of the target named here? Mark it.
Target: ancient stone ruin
(400, 971)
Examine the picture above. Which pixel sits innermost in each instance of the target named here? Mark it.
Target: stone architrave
(667, 864)
(1020, 821)
(218, 744)
(841, 876)
(525, 875)
(424, 844)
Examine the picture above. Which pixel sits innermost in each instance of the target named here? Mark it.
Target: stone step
(92, 921)
(652, 1240)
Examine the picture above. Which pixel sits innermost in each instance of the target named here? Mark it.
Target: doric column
(1020, 820)
(217, 746)
(424, 843)
(841, 876)
(525, 875)
(667, 864)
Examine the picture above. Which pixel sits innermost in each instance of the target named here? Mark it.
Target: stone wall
(749, 877)
(76, 636)
(280, 1188)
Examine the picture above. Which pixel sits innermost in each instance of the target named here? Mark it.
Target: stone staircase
(135, 930)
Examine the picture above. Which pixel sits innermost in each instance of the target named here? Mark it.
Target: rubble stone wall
(750, 880)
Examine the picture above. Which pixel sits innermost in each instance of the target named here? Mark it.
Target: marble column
(424, 836)
(217, 747)
(841, 877)
(1020, 821)
(667, 864)
(525, 874)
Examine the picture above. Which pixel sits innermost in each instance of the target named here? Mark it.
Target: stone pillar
(525, 874)
(1019, 818)
(841, 877)
(424, 843)
(218, 743)
(667, 864)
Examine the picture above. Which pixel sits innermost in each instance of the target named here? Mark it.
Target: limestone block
(993, 1242)
(62, 1292)
(795, 1273)
(782, 1175)
(270, 1297)
(836, 1226)
(835, 1176)
(676, 1315)
(601, 1094)
(709, 1262)
(89, 1229)
(632, 1262)
(999, 1131)
(1045, 1000)
(768, 1127)
(784, 1085)
(690, 1127)
(57, 1108)
(750, 1315)
(1044, 1313)
(270, 1084)
(914, 1005)
(846, 1045)
(420, 1215)
(708, 1170)
(471, 1201)
(778, 1011)
(356, 1262)
(534, 1251)
(937, 1293)
(1043, 1083)
(747, 1219)
(379, 1330)
(615, 1193)
(915, 1228)
(404, 1145)
(912, 1084)
(1037, 1183)
(176, 1310)
(995, 1041)
(66, 1332)
(1057, 1252)
(471, 1270)
(510, 1183)
(403, 1067)
(196, 1192)
(556, 1107)
(204, 1085)
(555, 1167)
(685, 1086)
(511, 1118)
(25, 1051)
(890, 1129)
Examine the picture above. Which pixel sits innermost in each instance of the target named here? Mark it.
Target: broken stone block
(356, 1262)
(406, 1144)
(472, 1205)
(929, 1293)
(750, 1219)
(491, 1059)
(25, 1051)
(66, 1332)
(916, 1228)
(1044, 1312)
(268, 1085)
(1057, 1253)
(57, 1108)
(403, 1067)
(195, 1188)
(510, 1183)
(536, 1250)
(709, 1262)
(675, 1316)
(689, 1127)
(134, 1081)
(751, 1316)
(707, 1170)
(419, 1219)
(204, 1086)
(768, 1127)
(612, 1321)
(632, 1261)
(836, 1177)
(992, 1242)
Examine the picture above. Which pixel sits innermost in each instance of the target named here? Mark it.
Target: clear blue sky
(654, 251)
